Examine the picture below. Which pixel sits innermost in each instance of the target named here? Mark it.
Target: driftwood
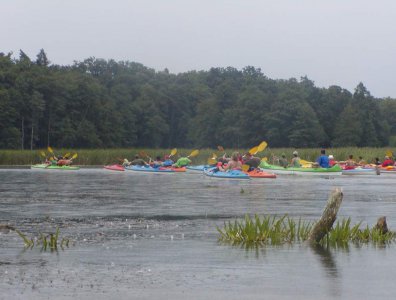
(4, 228)
(381, 225)
(329, 215)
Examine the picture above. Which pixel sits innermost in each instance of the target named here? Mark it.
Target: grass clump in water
(49, 241)
(267, 230)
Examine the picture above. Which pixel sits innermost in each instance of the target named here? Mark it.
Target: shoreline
(5, 167)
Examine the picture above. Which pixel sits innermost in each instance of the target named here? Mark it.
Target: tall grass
(267, 230)
(108, 156)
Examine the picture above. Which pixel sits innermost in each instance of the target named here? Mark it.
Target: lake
(147, 236)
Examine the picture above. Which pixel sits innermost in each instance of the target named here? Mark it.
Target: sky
(337, 42)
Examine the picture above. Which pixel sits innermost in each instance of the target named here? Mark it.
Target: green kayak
(335, 170)
(52, 167)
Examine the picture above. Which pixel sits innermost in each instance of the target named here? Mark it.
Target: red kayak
(114, 168)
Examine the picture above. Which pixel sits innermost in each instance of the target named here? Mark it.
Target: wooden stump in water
(381, 225)
(4, 228)
(329, 215)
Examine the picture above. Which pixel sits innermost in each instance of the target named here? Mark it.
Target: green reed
(49, 241)
(111, 156)
(272, 230)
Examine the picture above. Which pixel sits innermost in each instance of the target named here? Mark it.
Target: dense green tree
(104, 103)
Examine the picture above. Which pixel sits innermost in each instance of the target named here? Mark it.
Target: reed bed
(109, 156)
(272, 230)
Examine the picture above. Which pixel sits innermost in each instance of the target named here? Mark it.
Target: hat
(331, 156)
(295, 153)
(283, 155)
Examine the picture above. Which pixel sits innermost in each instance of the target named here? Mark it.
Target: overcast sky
(334, 42)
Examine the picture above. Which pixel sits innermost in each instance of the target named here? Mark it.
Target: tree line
(103, 103)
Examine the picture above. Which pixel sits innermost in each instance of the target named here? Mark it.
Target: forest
(99, 103)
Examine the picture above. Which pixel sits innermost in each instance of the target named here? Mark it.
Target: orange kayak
(256, 173)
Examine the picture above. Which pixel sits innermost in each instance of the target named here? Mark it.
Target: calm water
(141, 236)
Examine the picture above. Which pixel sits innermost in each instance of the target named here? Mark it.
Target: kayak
(361, 171)
(53, 167)
(147, 169)
(115, 167)
(234, 174)
(198, 168)
(333, 171)
(182, 169)
(388, 170)
(258, 173)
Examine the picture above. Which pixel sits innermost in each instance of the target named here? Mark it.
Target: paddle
(51, 151)
(66, 155)
(212, 161)
(389, 153)
(193, 153)
(261, 147)
(245, 168)
(253, 150)
(173, 152)
(42, 153)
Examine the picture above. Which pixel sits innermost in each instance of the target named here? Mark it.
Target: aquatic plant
(46, 241)
(267, 230)
(108, 156)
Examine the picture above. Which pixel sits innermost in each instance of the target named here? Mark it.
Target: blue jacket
(323, 161)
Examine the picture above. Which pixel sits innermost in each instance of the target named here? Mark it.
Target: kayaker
(182, 162)
(362, 162)
(167, 161)
(387, 162)
(157, 162)
(233, 164)
(126, 163)
(138, 161)
(323, 160)
(377, 161)
(295, 162)
(251, 161)
(350, 163)
(283, 161)
(332, 161)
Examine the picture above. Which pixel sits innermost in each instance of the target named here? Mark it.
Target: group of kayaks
(266, 170)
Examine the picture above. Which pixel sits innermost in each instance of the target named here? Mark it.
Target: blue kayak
(234, 174)
(148, 169)
(198, 168)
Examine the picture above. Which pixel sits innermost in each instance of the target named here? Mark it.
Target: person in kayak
(168, 162)
(377, 161)
(283, 161)
(182, 162)
(138, 161)
(362, 162)
(157, 162)
(387, 162)
(233, 164)
(323, 160)
(251, 161)
(295, 162)
(332, 161)
(350, 163)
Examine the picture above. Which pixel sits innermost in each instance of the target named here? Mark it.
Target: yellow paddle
(42, 153)
(50, 150)
(253, 150)
(245, 168)
(389, 153)
(66, 155)
(193, 153)
(261, 147)
(74, 156)
(212, 161)
(173, 152)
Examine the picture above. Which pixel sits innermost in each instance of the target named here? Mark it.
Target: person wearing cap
(332, 161)
(283, 161)
(295, 162)
(323, 160)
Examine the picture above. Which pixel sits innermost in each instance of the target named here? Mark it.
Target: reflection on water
(146, 236)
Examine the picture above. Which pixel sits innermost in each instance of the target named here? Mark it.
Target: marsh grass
(111, 156)
(49, 241)
(267, 230)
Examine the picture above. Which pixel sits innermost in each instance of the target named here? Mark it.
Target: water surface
(147, 236)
